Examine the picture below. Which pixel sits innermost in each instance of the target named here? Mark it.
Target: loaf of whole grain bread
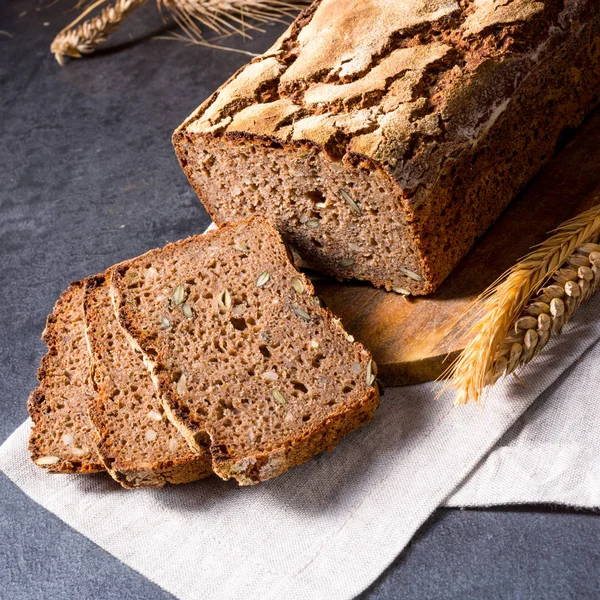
(384, 136)
(243, 356)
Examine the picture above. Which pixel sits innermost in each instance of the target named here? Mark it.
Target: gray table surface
(88, 178)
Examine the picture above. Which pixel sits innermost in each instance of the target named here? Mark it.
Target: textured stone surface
(85, 150)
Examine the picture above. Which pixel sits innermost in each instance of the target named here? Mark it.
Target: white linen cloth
(552, 453)
(328, 528)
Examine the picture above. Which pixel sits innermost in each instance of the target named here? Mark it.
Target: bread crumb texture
(246, 361)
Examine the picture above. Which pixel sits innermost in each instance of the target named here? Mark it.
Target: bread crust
(454, 106)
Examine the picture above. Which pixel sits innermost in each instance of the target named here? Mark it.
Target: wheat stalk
(223, 17)
(517, 315)
(79, 38)
(228, 16)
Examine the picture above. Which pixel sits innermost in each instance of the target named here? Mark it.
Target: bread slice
(243, 356)
(62, 439)
(138, 445)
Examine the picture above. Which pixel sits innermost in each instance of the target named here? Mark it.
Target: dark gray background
(88, 178)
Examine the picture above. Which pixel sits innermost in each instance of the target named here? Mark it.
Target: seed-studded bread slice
(241, 352)
(383, 137)
(62, 439)
(138, 445)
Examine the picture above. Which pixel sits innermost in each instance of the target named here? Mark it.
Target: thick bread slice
(241, 351)
(138, 445)
(62, 439)
(383, 137)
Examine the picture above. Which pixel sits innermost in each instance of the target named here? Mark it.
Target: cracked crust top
(401, 83)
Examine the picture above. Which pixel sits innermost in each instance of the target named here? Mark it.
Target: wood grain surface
(412, 339)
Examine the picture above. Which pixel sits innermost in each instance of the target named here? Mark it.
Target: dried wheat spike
(516, 317)
(221, 16)
(547, 314)
(84, 38)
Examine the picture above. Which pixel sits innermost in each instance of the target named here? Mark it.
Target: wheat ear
(79, 38)
(517, 315)
(221, 16)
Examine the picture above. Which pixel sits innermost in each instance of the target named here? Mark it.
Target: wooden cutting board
(412, 339)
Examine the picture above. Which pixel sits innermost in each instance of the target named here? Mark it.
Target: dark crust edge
(255, 468)
(248, 470)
